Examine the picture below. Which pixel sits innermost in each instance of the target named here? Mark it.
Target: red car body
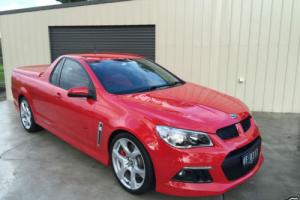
(189, 106)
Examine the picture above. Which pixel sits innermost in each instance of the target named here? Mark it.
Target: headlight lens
(181, 138)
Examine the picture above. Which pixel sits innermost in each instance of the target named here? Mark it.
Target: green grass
(1, 73)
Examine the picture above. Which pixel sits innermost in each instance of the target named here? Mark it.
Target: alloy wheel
(25, 114)
(128, 163)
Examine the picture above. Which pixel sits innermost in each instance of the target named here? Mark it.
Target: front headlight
(181, 138)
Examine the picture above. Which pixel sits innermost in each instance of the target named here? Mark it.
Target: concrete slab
(41, 166)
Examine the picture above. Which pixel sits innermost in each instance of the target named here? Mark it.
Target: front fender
(135, 124)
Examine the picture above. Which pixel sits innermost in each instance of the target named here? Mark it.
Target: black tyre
(131, 164)
(27, 118)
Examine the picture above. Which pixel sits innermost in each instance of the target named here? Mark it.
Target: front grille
(246, 123)
(228, 132)
(233, 167)
(231, 131)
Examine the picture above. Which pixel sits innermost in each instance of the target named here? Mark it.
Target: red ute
(153, 128)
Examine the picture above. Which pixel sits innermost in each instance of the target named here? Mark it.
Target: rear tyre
(131, 164)
(27, 118)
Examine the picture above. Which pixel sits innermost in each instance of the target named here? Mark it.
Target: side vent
(100, 129)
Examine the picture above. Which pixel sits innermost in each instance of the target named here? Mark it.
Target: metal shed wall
(210, 42)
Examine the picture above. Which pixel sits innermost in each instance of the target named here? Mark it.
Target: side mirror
(80, 92)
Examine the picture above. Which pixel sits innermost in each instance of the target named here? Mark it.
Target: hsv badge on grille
(233, 116)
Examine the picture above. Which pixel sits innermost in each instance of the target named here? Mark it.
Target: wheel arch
(114, 133)
(23, 93)
(21, 96)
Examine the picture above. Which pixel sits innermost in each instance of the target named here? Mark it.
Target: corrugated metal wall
(210, 42)
(82, 39)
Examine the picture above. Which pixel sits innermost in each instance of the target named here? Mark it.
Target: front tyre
(131, 164)
(27, 117)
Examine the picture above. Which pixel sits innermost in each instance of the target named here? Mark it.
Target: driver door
(74, 114)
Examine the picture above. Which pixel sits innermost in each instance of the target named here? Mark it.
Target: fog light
(193, 175)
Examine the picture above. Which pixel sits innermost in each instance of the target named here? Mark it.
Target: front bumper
(206, 189)
(173, 160)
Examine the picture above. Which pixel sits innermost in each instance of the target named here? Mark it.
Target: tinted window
(122, 76)
(73, 75)
(55, 73)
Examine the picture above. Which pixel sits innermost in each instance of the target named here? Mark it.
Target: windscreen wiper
(154, 87)
(158, 86)
(175, 83)
(164, 85)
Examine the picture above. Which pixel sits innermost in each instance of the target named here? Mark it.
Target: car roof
(91, 57)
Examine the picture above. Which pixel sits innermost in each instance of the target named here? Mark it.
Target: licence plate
(250, 158)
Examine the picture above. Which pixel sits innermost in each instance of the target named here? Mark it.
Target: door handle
(58, 95)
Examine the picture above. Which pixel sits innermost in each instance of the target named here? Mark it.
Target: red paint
(188, 106)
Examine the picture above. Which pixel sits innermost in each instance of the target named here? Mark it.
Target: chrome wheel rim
(25, 114)
(128, 164)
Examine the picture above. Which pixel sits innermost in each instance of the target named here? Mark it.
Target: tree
(70, 1)
(1, 61)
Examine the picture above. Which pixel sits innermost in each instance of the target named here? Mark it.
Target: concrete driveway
(41, 166)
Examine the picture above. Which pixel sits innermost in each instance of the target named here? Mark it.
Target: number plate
(250, 158)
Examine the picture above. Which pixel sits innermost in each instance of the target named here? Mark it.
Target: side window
(54, 76)
(73, 75)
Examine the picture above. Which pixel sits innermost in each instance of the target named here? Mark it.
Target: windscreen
(124, 76)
